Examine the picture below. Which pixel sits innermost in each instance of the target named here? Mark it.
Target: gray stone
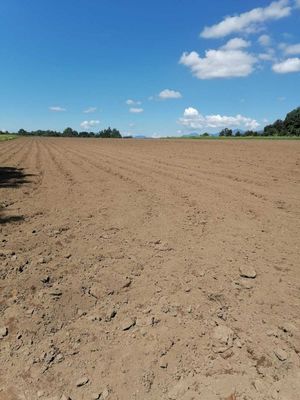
(223, 335)
(3, 332)
(104, 394)
(95, 396)
(127, 324)
(281, 354)
(82, 381)
(247, 272)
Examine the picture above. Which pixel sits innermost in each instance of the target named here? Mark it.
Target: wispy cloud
(250, 21)
(90, 110)
(291, 49)
(57, 109)
(193, 119)
(169, 94)
(136, 110)
(131, 102)
(264, 40)
(89, 124)
(231, 60)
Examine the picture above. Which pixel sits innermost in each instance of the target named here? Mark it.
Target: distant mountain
(140, 137)
(234, 131)
(193, 134)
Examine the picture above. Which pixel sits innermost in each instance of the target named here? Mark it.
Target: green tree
(69, 132)
(226, 132)
(22, 132)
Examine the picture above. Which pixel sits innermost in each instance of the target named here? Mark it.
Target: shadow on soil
(11, 177)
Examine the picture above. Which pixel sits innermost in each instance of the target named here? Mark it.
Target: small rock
(247, 272)
(259, 386)
(223, 335)
(29, 312)
(226, 354)
(126, 283)
(81, 312)
(95, 396)
(281, 354)
(245, 284)
(127, 324)
(42, 260)
(59, 357)
(110, 315)
(82, 381)
(145, 321)
(163, 364)
(3, 332)
(40, 393)
(104, 394)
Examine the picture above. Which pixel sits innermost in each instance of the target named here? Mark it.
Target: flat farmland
(149, 269)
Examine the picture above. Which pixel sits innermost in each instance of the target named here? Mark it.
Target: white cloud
(156, 135)
(131, 102)
(169, 94)
(235, 44)
(90, 110)
(248, 21)
(264, 40)
(268, 55)
(89, 124)
(225, 62)
(57, 109)
(291, 49)
(287, 66)
(136, 110)
(190, 112)
(194, 120)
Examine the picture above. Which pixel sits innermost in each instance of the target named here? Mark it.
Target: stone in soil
(281, 354)
(247, 272)
(3, 332)
(127, 324)
(82, 381)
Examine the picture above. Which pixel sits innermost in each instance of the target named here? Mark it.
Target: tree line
(69, 132)
(290, 126)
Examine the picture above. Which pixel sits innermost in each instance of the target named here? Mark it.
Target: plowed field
(135, 269)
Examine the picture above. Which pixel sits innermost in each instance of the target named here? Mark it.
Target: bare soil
(158, 270)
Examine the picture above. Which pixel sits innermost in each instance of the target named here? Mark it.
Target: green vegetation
(69, 132)
(6, 136)
(290, 127)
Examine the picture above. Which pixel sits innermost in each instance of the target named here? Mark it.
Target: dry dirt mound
(149, 270)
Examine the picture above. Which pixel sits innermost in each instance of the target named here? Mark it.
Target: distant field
(7, 137)
(238, 137)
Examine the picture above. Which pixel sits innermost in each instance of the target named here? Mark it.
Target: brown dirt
(121, 263)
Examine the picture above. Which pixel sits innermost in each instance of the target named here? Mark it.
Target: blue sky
(157, 68)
